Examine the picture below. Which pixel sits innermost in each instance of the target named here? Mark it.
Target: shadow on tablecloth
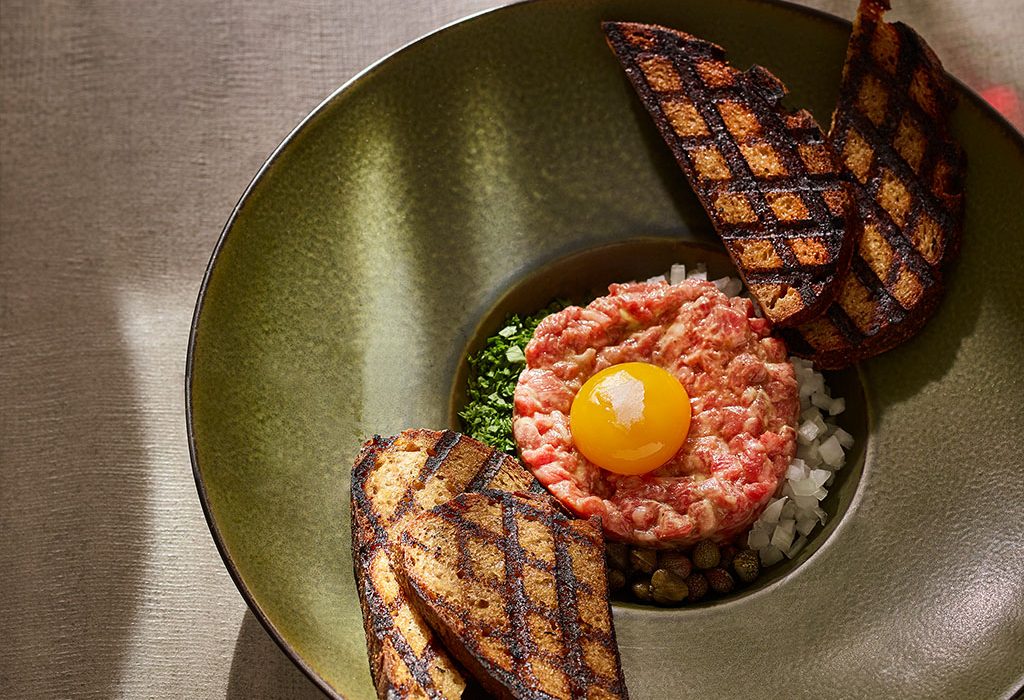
(260, 669)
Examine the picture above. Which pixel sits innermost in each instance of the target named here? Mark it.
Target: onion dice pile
(795, 511)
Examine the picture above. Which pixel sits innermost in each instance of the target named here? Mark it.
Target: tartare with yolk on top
(744, 405)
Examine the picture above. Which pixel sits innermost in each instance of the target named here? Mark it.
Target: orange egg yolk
(630, 418)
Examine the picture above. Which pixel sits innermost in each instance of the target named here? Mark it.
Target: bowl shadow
(259, 669)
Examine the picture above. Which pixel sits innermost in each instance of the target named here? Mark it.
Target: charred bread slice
(519, 593)
(393, 480)
(767, 178)
(891, 131)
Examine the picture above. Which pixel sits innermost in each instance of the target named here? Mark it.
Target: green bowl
(503, 159)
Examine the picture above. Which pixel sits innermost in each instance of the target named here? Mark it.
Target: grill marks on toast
(522, 599)
(890, 130)
(393, 480)
(767, 178)
(405, 659)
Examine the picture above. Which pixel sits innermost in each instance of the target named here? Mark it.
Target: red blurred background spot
(1004, 98)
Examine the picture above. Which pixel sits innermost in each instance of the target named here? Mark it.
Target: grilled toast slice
(767, 178)
(393, 480)
(518, 591)
(891, 131)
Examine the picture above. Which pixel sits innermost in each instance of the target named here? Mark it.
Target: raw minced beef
(743, 393)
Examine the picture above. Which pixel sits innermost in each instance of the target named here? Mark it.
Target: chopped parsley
(493, 373)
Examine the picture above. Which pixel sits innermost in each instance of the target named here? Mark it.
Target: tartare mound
(743, 393)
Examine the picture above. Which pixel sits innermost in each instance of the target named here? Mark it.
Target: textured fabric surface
(127, 132)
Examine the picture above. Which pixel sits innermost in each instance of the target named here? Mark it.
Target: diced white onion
(804, 525)
(759, 537)
(809, 454)
(822, 400)
(832, 452)
(810, 414)
(734, 287)
(805, 501)
(803, 487)
(770, 555)
(797, 469)
(801, 363)
(792, 516)
(795, 548)
(782, 537)
(820, 476)
(677, 274)
(844, 438)
(788, 511)
(698, 273)
(515, 354)
(807, 432)
(772, 513)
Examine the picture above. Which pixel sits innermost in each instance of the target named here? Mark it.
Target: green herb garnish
(493, 373)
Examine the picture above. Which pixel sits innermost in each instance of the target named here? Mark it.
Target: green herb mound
(493, 373)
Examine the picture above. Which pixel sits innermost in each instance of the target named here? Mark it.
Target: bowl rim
(962, 89)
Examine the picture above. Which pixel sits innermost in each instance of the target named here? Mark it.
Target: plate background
(432, 163)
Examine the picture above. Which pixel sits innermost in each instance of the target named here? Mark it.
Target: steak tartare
(743, 394)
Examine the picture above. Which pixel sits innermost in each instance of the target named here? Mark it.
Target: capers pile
(677, 577)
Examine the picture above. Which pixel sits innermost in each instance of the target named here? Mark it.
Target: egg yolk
(630, 418)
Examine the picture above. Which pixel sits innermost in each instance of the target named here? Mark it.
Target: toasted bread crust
(767, 178)
(393, 480)
(518, 592)
(890, 129)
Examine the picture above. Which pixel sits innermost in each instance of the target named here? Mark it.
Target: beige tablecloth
(129, 129)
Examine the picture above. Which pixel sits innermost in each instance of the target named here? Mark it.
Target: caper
(720, 580)
(618, 555)
(676, 562)
(706, 555)
(616, 579)
(746, 565)
(697, 586)
(726, 553)
(667, 588)
(643, 560)
(642, 590)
